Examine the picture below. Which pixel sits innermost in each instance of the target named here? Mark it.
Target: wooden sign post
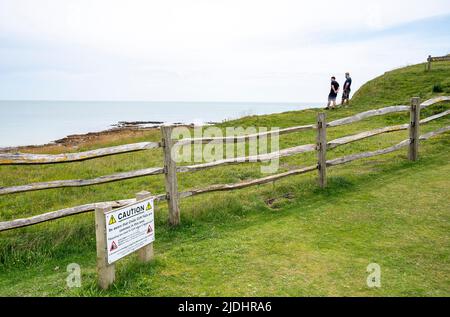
(145, 253)
(106, 272)
(121, 232)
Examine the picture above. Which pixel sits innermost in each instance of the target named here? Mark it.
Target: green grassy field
(289, 238)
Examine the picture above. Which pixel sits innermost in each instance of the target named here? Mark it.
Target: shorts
(332, 98)
(346, 94)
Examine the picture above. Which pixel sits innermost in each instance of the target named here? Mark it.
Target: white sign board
(129, 228)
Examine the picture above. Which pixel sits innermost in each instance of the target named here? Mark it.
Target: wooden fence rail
(431, 59)
(81, 182)
(367, 114)
(18, 223)
(28, 158)
(433, 101)
(170, 169)
(191, 168)
(244, 138)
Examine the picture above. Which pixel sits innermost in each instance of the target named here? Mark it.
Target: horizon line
(162, 101)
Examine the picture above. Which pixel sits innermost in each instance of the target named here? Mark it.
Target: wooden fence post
(145, 254)
(429, 59)
(106, 272)
(170, 171)
(322, 149)
(413, 152)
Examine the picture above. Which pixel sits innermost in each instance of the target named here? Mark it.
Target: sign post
(145, 253)
(121, 232)
(106, 272)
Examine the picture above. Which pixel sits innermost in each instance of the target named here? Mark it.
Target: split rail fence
(170, 169)
(431, 59)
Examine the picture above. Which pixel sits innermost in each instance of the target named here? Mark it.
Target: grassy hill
(289, 238)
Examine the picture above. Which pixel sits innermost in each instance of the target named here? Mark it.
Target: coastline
(68, 123)
(119, 130)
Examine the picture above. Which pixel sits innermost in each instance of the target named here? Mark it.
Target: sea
(41, 122)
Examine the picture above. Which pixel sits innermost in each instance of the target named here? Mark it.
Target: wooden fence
(431, 59)
(170, 169)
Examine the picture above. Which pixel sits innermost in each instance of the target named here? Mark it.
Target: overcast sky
(209, 50)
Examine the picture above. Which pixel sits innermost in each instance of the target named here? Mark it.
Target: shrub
(437, 88)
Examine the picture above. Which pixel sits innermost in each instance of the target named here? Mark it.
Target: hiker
(347, 89)
(333, 93)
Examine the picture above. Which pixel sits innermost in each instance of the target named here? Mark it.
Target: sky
(209, 50)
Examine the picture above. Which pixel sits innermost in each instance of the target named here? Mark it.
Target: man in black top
(347, 89)
(333, 94)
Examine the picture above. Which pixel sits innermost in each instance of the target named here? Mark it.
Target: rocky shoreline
(118, 129)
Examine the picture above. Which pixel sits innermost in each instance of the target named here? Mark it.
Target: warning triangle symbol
(112, 220)
(149, 230)
(113, 246)
(149, 206)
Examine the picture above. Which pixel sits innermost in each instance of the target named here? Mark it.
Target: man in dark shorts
(347, 89)
(333, 94)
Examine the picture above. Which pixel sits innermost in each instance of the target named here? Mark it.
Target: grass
(284, 239)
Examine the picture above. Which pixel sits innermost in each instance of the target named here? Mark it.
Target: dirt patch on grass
(279, 202)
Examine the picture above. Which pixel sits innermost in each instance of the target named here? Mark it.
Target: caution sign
(112, 220)
(128, 229)
(113, 246)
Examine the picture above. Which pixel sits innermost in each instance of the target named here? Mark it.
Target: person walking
(333, 94)
(347, 89)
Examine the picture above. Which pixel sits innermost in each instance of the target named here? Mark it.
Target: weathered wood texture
(170, 171)
(354, 157)
(146, 253)
(322, 149)
(405, 143)
(243, 138)
(434, 117)
(82, 182)
(106, 272)
(260, 181)
(364, 135)
(28, 158)
(367, 134)
(155, 171)
(413, 151)
(383, 111)
(18, 223)
(439, 58)
(429, 135)
(433, 101)
(191, 168)
(253, 158)
(431, 59)
(367, 114)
